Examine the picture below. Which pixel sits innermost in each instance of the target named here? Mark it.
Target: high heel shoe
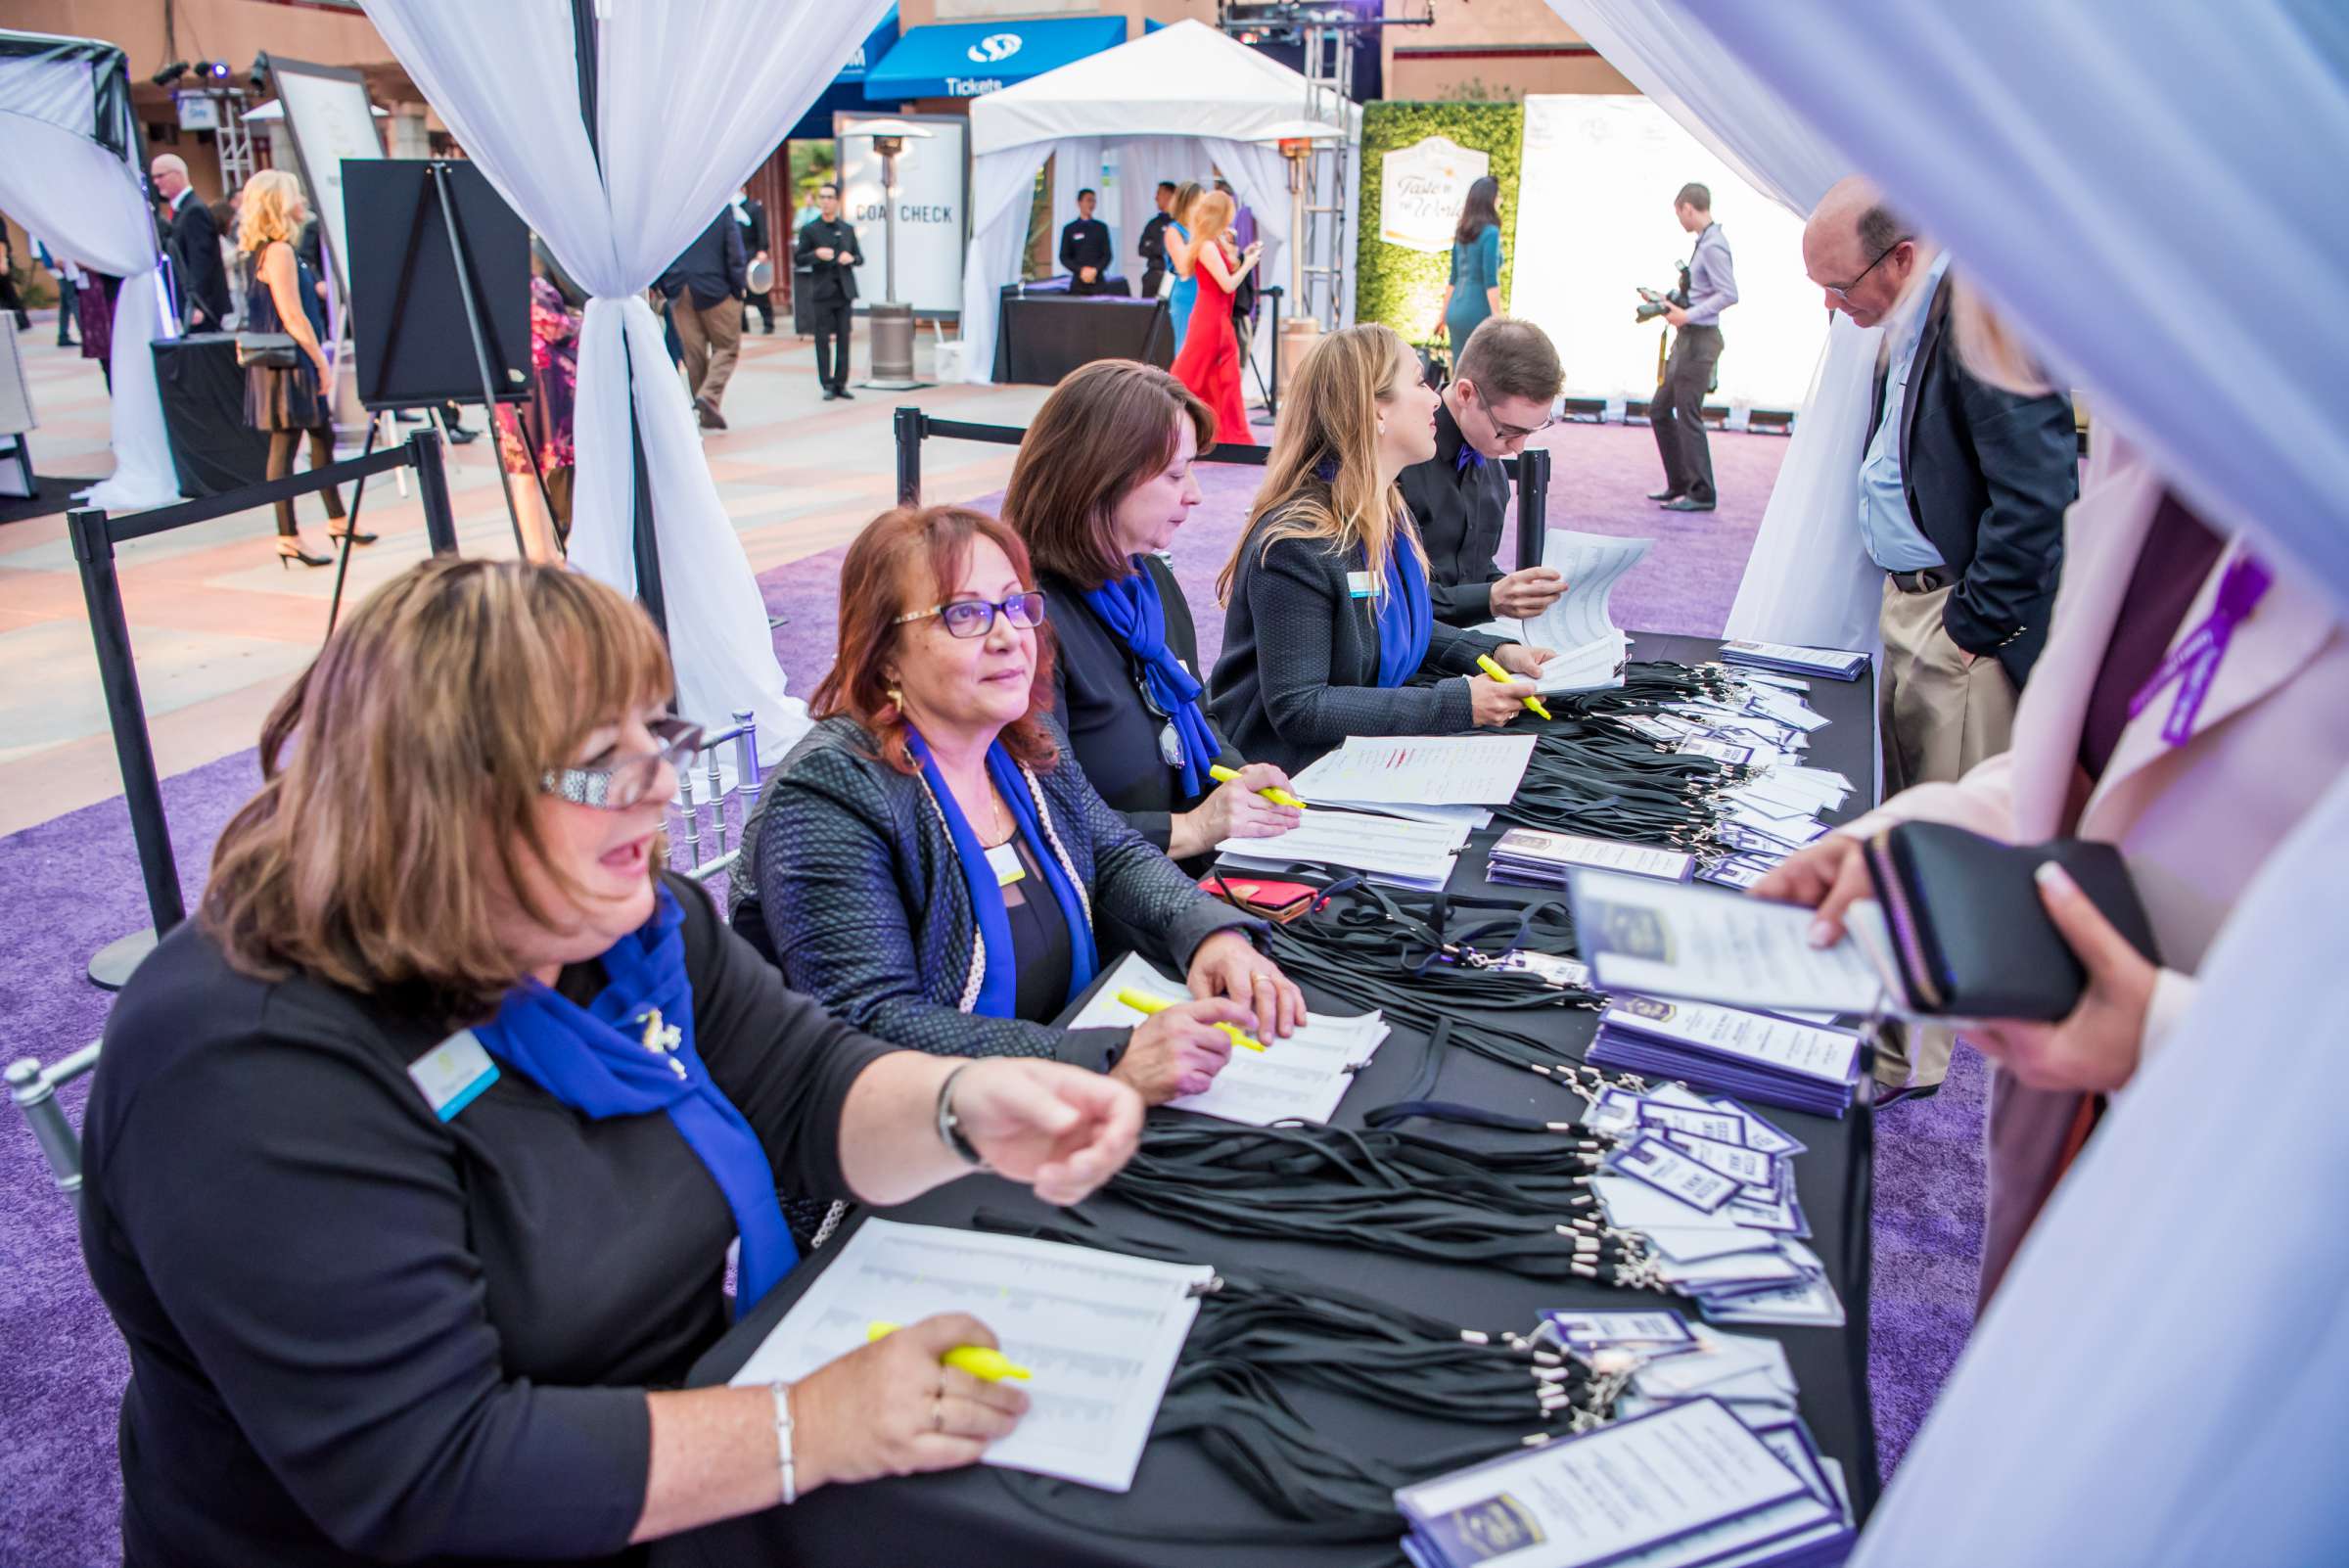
(291, 551)
(344, 532)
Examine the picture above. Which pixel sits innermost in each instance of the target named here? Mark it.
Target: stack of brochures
(1691, 1482)
(1540, 858)
(1800, 1062)
(1836, 664)
(1387, 849)
(1712, 1186)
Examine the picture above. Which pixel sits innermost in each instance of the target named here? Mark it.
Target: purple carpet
(65, 1366)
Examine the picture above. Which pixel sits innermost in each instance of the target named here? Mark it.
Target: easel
(436, 192)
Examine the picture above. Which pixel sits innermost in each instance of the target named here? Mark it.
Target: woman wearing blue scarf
(932, 868)
(414, 1161)
(1103, 481)
(1326, 619)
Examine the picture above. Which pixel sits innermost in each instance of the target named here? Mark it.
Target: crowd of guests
(455, 1051)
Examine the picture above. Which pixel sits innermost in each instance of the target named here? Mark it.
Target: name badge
(1004, 862)
(454, 1074)
(1362, 585)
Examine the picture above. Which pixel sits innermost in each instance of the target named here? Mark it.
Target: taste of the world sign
(1420, 191)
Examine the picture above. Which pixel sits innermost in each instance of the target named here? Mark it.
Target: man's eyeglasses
(1513, 433)
(1843, 292)
(627, 781)
(976, 618)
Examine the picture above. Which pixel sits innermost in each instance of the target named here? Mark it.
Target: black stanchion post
(432, 489)
(135, 753)
(1273, 393)
(909, 457)
(1533, 504)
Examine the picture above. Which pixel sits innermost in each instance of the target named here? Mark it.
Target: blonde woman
(291, 401)
(1184, 291)
(1326, 610)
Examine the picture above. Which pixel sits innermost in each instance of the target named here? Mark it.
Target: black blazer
(754, 232)
(1085, 243)
(714, 267)
(1097, 696)
(832, 282)
(1300, 663)
(194, 250)
(1988, 475)
(1152, 247)
(863, 901)
(1461, 512)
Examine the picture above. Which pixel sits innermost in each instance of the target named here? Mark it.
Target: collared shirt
(1712, 281)
(1894, 540)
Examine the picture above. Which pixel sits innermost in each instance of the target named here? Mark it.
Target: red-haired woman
(930, 866)
(1210, 361)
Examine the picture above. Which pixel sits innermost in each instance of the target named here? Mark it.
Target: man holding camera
(1678, 410)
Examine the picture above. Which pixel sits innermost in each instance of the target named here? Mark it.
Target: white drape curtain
(1809, 580)
(1002, 181)
(2131, 180)
(88, 204)
(692, 95)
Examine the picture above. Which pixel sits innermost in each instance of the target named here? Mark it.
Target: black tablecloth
(203, 390)
(1043, 335)
(982, 1512)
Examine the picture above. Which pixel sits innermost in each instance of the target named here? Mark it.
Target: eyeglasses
(1843, 292)
(627, 781)
(976, 618)
(1510, 433)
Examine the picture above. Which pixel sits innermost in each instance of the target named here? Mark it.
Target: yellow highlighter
(987, 1366)
(1278, 797)
(1484, 662)
(1141, 1002)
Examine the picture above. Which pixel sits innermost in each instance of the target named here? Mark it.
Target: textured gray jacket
(865, 907)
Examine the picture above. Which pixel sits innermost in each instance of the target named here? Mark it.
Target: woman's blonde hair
(1211, 215)
(1321, 476)
(267, 209)
(1185, 195)
(420, 736)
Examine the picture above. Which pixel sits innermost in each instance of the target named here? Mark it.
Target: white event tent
(1174, 104)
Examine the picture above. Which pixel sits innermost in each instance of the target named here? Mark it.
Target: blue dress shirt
(1894, 540)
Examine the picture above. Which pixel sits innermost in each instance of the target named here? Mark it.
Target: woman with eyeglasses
(931, 865)
(414, 1161)
(1327, 616)
(1104, 480)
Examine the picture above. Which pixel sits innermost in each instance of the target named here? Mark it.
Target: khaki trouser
(710, 340)
(1937, 717)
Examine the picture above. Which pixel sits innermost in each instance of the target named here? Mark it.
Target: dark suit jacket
(195, 249)
(1989, 475)
(1097, 696)
(712, 266)
(1085, 243)
(862, 898)
(1461, 512)
(754, 233)
(1299, 669)
(1153, 246)
(832, 282)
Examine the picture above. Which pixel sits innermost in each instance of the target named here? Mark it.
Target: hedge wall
(1400, 287)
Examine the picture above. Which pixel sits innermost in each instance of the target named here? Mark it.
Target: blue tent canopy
(971, 59)
(845, 93)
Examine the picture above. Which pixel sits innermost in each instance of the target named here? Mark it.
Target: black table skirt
(203, 389)
(1043, 334)
(1177, 1496)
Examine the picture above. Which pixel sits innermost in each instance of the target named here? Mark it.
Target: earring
(896, 698)
(1382, 427)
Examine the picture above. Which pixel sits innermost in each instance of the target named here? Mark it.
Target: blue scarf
(999, 986)
(1405, 616)
(1135, 615)
(594, 1060)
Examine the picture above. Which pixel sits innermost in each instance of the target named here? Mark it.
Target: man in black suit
(1084, 247)
(1961, 498)
(704, 289)
(193, 244)
(1153, 248)
(750, 216)
(828, 249)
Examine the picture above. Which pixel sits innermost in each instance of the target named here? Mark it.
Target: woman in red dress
(1210, 361)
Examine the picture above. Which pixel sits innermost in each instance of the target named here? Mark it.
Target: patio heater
(891, 321)
(1299, 140)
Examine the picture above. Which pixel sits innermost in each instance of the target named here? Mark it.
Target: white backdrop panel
(1595, 219)
(930, 203)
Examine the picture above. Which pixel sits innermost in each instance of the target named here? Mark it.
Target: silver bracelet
(949, 1127)
(791, 1478)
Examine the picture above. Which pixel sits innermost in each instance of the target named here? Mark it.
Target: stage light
(217, 70)
(169, 73)
(258, 74)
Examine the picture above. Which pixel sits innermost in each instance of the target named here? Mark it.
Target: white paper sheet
(1664, 938)
(1099, 1331)
(1419, 771)
(1591, 564)
(1418, 854)
(1303, 1076)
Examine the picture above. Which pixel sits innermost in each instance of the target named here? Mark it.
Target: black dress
(359, 1333)
(283, 398)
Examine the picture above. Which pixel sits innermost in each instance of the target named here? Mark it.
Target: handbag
(267, 351)
(1968, 935)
